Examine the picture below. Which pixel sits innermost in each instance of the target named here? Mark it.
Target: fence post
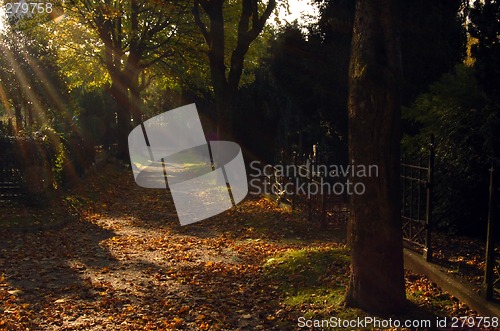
(487, 288)
(428, 211)
(294, 178)
(323, 204)
(319, 159)
(309, 181)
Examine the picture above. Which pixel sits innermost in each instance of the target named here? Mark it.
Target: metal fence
(10, 173)
(10, 181)
(26, 166)
(416, 204)
(303, 187)
(417, 181)
(491, 280)
(322, 206)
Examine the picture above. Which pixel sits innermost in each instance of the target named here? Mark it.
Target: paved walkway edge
(462, 291)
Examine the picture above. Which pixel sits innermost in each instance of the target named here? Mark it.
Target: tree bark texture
(375, 227)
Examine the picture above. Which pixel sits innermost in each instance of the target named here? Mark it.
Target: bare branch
(257, 29)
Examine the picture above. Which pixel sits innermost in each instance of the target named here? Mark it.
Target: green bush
(454, 112)
(46, 160)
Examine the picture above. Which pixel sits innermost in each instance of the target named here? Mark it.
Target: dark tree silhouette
(225, 82)
(374, 229)
(485, 26)
(433, 41)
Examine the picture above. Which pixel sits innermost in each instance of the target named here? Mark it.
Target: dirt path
(126, 264)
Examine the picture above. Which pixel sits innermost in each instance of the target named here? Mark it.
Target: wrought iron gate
(416, 192)
(10, 173)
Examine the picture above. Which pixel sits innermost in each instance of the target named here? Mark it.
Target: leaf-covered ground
(121, 261)
(464, 257)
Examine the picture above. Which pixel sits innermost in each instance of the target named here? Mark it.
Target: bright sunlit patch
(59, 18)
(300, 10)
(2, 19)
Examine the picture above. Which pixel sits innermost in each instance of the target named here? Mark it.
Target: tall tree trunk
(223, 104)
(226, 86)
(132, 70)
(135, 101)
(218, 69)
(19, 117)
(374, 231)
(17, 104)
(119, 92)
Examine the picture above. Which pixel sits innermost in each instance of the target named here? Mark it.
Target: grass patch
(313, 281)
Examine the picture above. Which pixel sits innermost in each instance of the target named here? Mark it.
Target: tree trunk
(374, 230)
(223, 105)
(135, 98)
(119, 92)
(19, 117)
(225, 88)
(218, 69)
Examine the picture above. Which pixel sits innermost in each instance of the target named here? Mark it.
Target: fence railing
(27, 169)
(305, 187)
(491, 280)
(10, 182)
(416, 205)
(322, 205)
(417, 184)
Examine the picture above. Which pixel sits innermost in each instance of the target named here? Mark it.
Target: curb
(463, 291)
